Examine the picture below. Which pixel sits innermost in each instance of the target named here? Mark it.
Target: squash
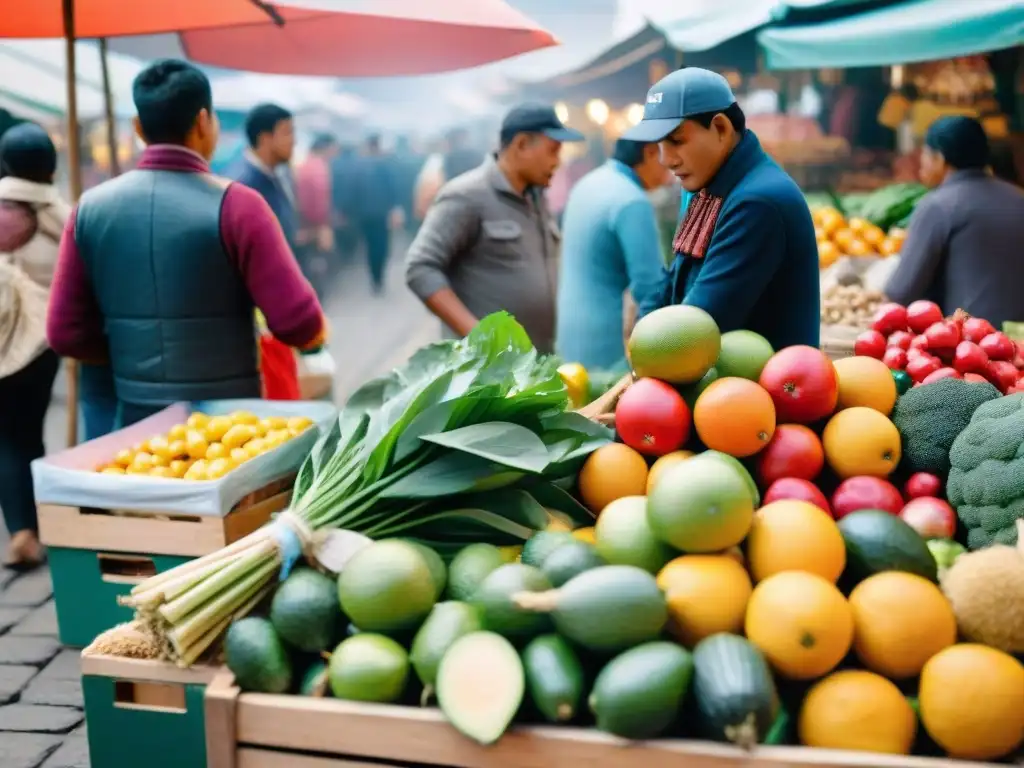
(734, 690)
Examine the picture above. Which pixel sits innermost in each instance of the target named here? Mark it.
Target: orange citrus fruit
(611, 472)
(706, 594)
(795, 535)
(861, 441)
(735, 416)
(865, 382)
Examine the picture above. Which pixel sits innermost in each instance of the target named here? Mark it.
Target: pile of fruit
(206, 447)
(917, 339)
(856, 237)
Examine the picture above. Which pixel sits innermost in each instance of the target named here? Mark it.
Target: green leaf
(553, 497)
(513, 503)
(451, 474)
(502, 442)
(323, 451)
(458, 518)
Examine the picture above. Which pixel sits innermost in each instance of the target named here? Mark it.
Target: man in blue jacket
(271, 136)
(745, 248)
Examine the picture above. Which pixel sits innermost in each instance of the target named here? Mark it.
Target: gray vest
(178, 318)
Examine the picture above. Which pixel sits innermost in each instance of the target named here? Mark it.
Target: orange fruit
(831, 221)
(735, 416)
(867, 382)
(857, 710)
(801, 622)
(889, 247)
(828, 254)
(795, 535)
(873, 236)
(972, 701)
(705, 594)
(861, 441)
(844, 239)
(900, 621)
(858, 225)
(611, 472)
(663, 463)
(859, 248)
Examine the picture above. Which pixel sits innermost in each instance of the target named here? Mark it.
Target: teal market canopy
(918, 30)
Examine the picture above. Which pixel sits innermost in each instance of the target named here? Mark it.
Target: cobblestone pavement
(42, 724)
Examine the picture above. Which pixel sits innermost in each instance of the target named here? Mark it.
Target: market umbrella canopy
(340, 38)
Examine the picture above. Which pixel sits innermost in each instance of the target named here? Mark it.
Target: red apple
(969, 357)
(796, 488)
(921, 314)
(802, 383)
(651, 417)
(922, 484)
(919, 342)
(932, 518)
(900, 339)
(922, 366)
(976, 328)
(942, 336)
(794, 451)
(889, 318)
(942, 373)
(895, 358)
(997, 346)
(856, 493)
(1002, 373)
(975, 378)
(869, 344)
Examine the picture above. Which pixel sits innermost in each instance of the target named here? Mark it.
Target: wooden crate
(144, 713)
(98, 554)
(252, 730)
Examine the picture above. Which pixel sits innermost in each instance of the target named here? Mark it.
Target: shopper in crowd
(160, 269)
(459, 157)
(745, 250)
(346, 239)
(375, 207)
(963, 247)
(316, 223)
(610, 245)
(32, 216)
(264, 166)
(489, 241)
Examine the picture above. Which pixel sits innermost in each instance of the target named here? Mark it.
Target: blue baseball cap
(677, 96)
(538, 118)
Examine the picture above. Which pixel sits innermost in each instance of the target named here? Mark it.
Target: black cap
(537, 118)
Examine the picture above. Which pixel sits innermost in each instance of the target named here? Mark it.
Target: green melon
(677, 344)
(744, 354)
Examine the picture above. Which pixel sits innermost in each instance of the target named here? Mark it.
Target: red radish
(919, 342)
(889, 318)
(922, 366)
(863, 492)
(895, 358)
(932, 518)
(869, 344)
(942, 335)
(975, 378)
(942, 373)
(975, 329)
(796, 488)
(1002, 373)
(900, 339)
(969, 358)
(922, 484)
(921, 314)
(997, 346)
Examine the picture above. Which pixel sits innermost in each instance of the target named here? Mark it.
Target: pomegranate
(921, 314)
(802, 383)
(942, 335)
(900, 339)
(869, 344)
(975, 329)
(922, 366)
(969, 358)
(1002, 373)
(998, 346)
(895, 358)
(942, 373)
(922, 484)
(889, 318)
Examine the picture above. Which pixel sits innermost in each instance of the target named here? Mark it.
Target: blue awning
(917, 30)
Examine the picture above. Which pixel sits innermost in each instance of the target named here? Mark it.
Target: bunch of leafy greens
(470, 440)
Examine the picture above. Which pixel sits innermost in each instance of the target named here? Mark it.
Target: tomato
(794, 451)
(932, 518)
(921, 314)
(856, 493)
(651, 417)
(922, 484)
(890, 318)
(803, 384)
(869, 344)
(796, 488)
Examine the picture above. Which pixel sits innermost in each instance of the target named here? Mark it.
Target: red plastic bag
(278, 370)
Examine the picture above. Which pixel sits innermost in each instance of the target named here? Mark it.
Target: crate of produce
(144, 712)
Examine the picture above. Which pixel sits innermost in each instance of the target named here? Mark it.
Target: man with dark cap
(745, 248)
(963, 247)
(489, 241)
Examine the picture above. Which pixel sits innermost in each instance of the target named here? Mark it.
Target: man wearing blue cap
(745, 248)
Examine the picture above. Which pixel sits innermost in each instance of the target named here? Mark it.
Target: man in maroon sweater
(160, 269)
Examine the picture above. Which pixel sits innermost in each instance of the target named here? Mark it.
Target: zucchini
(554, 677)
(734, 690)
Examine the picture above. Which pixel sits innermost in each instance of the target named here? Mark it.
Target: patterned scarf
(693, 235)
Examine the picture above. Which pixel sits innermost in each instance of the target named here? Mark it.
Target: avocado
(305, 611)
(257, 657)
(446, 623)
(369, 667)
(878, 541)
(498, 611)
(480, 685)
(470, 567)
(570, 560)
(543, 543)
(554, 677)
(639, 693)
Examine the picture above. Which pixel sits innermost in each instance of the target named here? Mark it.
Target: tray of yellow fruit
(188, 459)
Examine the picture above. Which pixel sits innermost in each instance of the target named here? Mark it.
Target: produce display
(850, 305)
(206, 447)
(751, 557)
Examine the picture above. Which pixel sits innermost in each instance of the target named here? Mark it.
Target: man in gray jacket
(489, 241)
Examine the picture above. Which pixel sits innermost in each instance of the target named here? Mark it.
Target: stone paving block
(7, 576)
(66, 665)
(12, 679)
(57, 693)
(73, 753)
(38, 719)
(30, 589)
(27, 650)
(39, 621)
(11, 616)
(26, 750)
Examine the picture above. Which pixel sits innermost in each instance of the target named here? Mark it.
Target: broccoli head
(986, 477)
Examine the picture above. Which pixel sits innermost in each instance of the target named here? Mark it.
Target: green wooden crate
(87, 583)
(144, 713)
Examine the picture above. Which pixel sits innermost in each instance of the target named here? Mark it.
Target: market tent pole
(108, 103)
(75, 179)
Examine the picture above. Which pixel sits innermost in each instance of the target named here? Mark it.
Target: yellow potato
(196, 444)
(216, 428)
(239, 455)
(177, 432)
(143, 461)
(256, 446)
(216, 451)
(178, 448)
(197, 420)
(112, 470)
(162, 472)
(159, 446)
(218, 468)
(124, 457)
(197, 471)
(299, 423)
(238, 435)
(243, 417)
(179, 467)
